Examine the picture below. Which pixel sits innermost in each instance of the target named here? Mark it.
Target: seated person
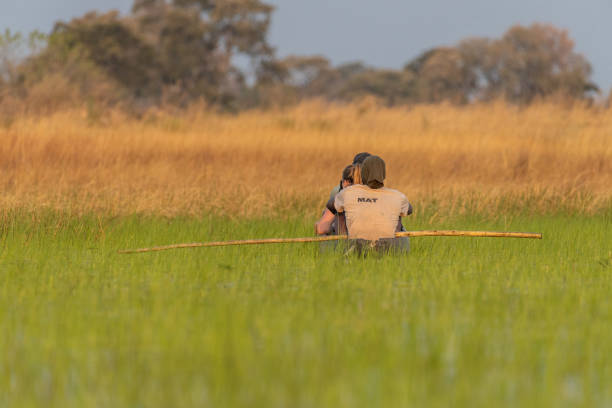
(372, 211)
(328, 224)
(333, 226)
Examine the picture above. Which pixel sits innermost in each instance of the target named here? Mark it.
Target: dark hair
(360, 157)
(347, 173)
(352, 174)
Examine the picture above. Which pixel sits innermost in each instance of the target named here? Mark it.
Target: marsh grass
(461, 322)
(457, 322)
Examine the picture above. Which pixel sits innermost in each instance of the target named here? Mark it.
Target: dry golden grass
(478, 158)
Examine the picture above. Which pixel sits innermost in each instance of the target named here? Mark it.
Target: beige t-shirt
(371, 213)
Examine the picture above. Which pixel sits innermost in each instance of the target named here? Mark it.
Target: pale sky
(383, 33)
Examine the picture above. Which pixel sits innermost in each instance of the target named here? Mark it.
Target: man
(372, 211)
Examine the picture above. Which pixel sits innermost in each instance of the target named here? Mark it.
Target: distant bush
(527, 63)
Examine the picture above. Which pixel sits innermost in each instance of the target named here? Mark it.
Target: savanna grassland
(540, 159)
(457, 322)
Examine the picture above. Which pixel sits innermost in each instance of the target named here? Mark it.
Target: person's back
(370, 213)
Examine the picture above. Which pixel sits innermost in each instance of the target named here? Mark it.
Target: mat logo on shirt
(366, 200)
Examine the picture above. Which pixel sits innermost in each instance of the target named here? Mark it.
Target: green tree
(532, 62)
(165, 51)
(442, 74)
(10, 45)
(393, 87)
(14, 49)
(197, 42)
(482, 61)
(113, 47)
(296, 78)
(539, 61)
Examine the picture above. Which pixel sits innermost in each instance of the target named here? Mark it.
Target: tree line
(175, 52)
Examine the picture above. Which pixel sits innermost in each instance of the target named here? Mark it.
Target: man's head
(373, 172)
(360, 157)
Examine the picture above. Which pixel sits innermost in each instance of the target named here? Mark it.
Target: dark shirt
(330, 205)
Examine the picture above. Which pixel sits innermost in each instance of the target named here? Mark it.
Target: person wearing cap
(372, 211)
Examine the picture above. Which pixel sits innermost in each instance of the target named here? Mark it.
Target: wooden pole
(447, 233)
(454, 233)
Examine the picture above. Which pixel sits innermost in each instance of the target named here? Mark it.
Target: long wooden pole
(446, 233)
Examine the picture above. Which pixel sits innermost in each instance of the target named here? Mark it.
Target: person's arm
(406, 207)
(400, 226)
(404, 211)
(339, 206)
(323, 226)
(333, 193)
(339, 201)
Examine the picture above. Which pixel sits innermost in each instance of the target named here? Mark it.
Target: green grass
(457, 322)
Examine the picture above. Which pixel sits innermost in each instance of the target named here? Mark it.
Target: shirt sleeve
(330, 205)
(333, 193)
(339, 201)
(406, 207)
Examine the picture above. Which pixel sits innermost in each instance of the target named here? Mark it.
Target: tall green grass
(457, 322)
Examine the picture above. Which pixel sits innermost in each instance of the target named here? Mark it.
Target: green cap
(373, 172)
